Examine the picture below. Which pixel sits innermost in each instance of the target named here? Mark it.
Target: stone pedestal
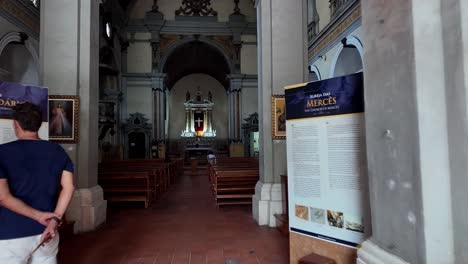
(88, 209)
(267, 202)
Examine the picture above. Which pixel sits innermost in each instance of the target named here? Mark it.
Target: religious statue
(210, 96)
(187, 96)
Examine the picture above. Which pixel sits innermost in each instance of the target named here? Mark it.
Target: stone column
(69, 52)
(159, 130)
(234, 101)
(282, 55)
(187, 120)
(416, 130)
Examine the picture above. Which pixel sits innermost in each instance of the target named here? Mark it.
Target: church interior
(185, 152)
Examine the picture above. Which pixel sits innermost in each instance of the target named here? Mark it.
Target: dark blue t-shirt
(33, 169)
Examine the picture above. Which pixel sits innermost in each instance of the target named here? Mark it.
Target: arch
(210, 42)
(315, 69)
(19, 37)
(192, 56)
(348, 41)
(19, 59)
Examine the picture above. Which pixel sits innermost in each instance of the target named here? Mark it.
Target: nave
(183, 226)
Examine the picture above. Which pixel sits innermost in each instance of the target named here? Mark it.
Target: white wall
(206, 84)
(139, 57)
(140, 99)
(168, 8)
(249, 55)
(249, 102)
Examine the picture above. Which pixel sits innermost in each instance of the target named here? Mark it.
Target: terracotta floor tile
(183, 225)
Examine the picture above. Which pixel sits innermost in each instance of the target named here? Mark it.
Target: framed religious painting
(278, 117)
(64, 119)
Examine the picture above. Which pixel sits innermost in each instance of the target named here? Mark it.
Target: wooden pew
(235, 186)
(174, 167)
(158, 176)
(233, 180)
(127, 187)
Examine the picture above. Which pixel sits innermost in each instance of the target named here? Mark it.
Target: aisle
(183, 227)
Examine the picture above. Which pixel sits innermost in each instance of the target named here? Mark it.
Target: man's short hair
(28, 115)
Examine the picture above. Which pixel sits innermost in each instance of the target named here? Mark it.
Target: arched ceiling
(196, 57)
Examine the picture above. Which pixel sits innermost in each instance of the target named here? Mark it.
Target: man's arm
(66, 194)
(16, 205)
(68, 187)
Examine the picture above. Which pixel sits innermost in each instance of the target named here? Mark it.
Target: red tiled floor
(184, 227)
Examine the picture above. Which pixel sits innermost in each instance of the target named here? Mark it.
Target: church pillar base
(267, 202)
(370, 253)
(88, 209)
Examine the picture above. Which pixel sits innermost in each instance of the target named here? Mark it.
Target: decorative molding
(370, 253)
(196, 8)
(196, 25)
(333, 31)
(27, 18)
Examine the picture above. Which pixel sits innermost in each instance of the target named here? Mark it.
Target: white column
(282, 37)
(187, 121)
(69, 52)
(416, 129)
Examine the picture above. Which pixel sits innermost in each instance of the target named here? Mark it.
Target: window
(108, 30)
(35, 2)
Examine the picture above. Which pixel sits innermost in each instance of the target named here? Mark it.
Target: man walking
(36, 186)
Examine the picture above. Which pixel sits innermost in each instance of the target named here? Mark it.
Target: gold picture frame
(278, 117)
(64, 113)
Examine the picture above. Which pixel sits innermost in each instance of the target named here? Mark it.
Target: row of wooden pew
(233, 180)
(137, 180)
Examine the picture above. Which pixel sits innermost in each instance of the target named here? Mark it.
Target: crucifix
(198, 121)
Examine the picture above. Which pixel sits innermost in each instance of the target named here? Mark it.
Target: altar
(198, 126)
(197, 153)
(198, 117)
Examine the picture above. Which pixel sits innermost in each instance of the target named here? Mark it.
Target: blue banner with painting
(12, 94)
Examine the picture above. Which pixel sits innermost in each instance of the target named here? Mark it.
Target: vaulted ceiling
(196, 57)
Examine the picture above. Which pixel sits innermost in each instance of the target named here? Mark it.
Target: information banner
(327, 174)
(12, 94)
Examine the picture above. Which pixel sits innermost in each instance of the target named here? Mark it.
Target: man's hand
(44, 217)
(50, 232)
